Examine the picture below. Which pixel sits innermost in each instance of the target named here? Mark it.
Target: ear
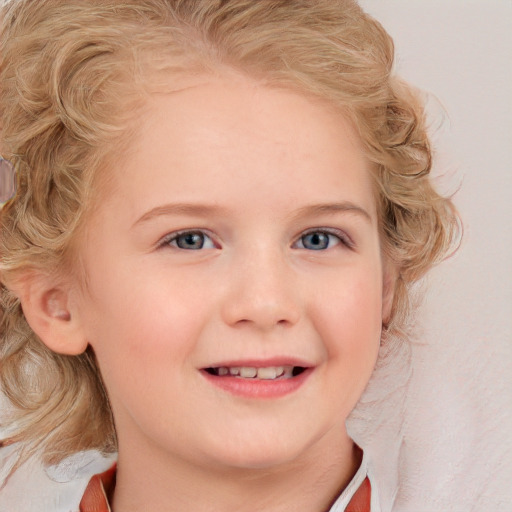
(390, 276)
(50, 312)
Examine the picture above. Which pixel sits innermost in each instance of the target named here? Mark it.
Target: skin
(251, 164)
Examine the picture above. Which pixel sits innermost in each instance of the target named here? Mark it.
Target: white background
(458, 428)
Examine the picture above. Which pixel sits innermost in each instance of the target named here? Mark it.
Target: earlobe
(50, 313)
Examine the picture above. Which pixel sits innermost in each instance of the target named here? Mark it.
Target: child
(221, 207)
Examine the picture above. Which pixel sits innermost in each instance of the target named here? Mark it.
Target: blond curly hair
(72, 74)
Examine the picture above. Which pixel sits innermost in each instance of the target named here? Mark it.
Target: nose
(262, 292)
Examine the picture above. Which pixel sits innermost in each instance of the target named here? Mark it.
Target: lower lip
(258, 388)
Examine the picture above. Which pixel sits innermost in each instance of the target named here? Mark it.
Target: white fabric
(56, 489)
(364, 471)
(377, 422)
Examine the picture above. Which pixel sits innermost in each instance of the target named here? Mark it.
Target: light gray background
(458, 427)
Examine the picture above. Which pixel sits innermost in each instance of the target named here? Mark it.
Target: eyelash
(172, 238)
(340, 235)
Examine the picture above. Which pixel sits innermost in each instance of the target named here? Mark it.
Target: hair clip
(7, 180)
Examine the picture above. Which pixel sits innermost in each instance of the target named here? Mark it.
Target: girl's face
(236, 296)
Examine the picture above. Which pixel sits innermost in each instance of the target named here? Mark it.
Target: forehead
(245, 134)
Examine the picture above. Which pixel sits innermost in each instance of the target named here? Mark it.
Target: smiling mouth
(253, 373)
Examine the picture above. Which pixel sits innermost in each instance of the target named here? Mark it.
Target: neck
(312, 482)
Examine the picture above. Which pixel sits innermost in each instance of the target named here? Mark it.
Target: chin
(261, 454)
(257, 462)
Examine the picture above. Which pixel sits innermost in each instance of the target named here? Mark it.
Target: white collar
(344, 499)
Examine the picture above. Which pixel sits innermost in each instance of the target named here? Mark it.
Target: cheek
(350, 325)
(144, 346)
(350, 316)
(144, 327)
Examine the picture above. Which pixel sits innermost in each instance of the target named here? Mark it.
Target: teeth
(267, 373)
(249, 372)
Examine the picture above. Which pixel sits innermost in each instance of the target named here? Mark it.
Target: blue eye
(318, 241)
(191, 241)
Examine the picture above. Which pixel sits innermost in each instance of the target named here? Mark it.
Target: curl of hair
(73, 74)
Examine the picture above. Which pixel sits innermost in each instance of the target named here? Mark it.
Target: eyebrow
(211, 210)
(199, 210)
(333, 208)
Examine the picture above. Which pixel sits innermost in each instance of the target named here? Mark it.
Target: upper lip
(262, 363)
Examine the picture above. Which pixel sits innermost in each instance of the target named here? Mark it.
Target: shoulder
(59, 488)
